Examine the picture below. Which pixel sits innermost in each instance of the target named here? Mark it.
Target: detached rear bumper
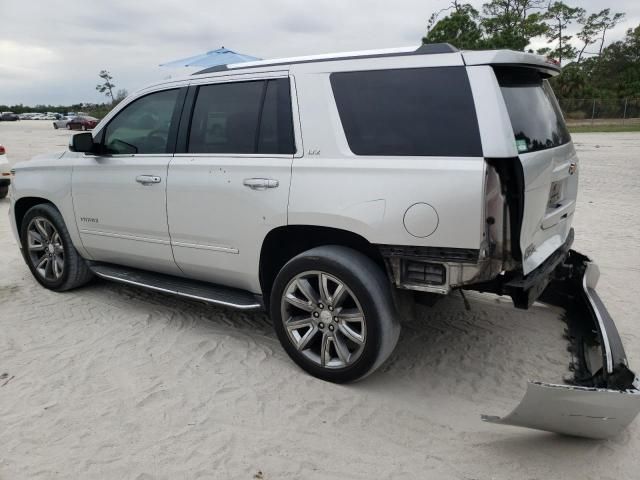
(603, 397)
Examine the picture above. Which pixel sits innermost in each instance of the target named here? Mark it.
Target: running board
(207, 292)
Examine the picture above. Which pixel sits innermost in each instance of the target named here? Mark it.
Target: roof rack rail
(426, 49)
(436, 48)
(217, 68)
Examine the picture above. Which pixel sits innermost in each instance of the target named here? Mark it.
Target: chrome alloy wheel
(45, 249)
(323, 319)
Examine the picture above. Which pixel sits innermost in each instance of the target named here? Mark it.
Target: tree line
(592, 66)
(97, 110)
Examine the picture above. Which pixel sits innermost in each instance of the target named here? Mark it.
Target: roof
(470, 57)
(427, 49)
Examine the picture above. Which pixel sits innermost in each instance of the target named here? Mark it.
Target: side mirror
(81, 142)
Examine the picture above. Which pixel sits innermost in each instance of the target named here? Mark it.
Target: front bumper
(603, 396)
(12, 221)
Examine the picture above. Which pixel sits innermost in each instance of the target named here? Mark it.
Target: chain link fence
(600, 111)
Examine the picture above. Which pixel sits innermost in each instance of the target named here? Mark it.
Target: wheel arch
(283, 243)
(23, 205)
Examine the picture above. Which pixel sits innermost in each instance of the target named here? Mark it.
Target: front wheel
(49, 251)
(333, 312)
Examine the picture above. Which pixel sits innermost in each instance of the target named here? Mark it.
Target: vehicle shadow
(444, 348)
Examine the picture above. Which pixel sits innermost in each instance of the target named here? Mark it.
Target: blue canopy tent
(213, 58)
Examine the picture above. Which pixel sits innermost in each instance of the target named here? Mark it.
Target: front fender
(46, 177)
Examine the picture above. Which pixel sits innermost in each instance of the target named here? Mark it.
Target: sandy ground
(116, 382)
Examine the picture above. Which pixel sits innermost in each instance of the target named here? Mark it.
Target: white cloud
(52, 51)
(20, 62)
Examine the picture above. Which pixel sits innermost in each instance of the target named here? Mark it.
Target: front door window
(142, 127)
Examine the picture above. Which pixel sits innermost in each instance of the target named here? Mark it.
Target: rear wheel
(333, 312)
(49, 251)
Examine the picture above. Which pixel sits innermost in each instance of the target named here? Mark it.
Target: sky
(51, 51)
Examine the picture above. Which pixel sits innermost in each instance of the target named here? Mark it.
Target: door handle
(260, 183)
(147, 179)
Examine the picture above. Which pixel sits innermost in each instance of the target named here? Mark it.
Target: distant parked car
(61, 122)
(82, 123)
(9, 117)
(5, 173)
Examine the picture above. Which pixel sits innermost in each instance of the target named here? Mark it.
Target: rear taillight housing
(2, 150)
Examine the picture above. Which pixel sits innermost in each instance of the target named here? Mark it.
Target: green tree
(595, 28)
(560, 16)
(512, 23)
(460, 27)
(616, 72)
(107, 86)
(571, 83)
(121, 95)
(607, 23)
(590, 32)
(504, 24)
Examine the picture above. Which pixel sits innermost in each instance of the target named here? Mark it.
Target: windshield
(535, 115)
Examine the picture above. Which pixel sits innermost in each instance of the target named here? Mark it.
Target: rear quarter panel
(369, 195)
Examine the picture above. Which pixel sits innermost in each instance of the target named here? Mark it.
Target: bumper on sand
(603, 397)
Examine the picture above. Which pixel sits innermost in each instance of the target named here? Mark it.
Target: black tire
(368, 284)
(76, 271)
(55, 127)
(4, 191)
(69, 127)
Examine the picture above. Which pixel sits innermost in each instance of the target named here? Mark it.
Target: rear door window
(242, 118)
(533, 109)
(414, 112)
(276, 126)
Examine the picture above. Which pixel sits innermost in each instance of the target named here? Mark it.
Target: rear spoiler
(511, 58)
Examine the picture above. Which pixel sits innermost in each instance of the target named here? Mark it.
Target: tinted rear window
(417, 111)
(535, 115)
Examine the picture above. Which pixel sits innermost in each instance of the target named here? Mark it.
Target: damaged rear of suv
(530, 201)
(530, 185)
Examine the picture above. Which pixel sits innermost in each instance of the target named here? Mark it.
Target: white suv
(319, 188)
